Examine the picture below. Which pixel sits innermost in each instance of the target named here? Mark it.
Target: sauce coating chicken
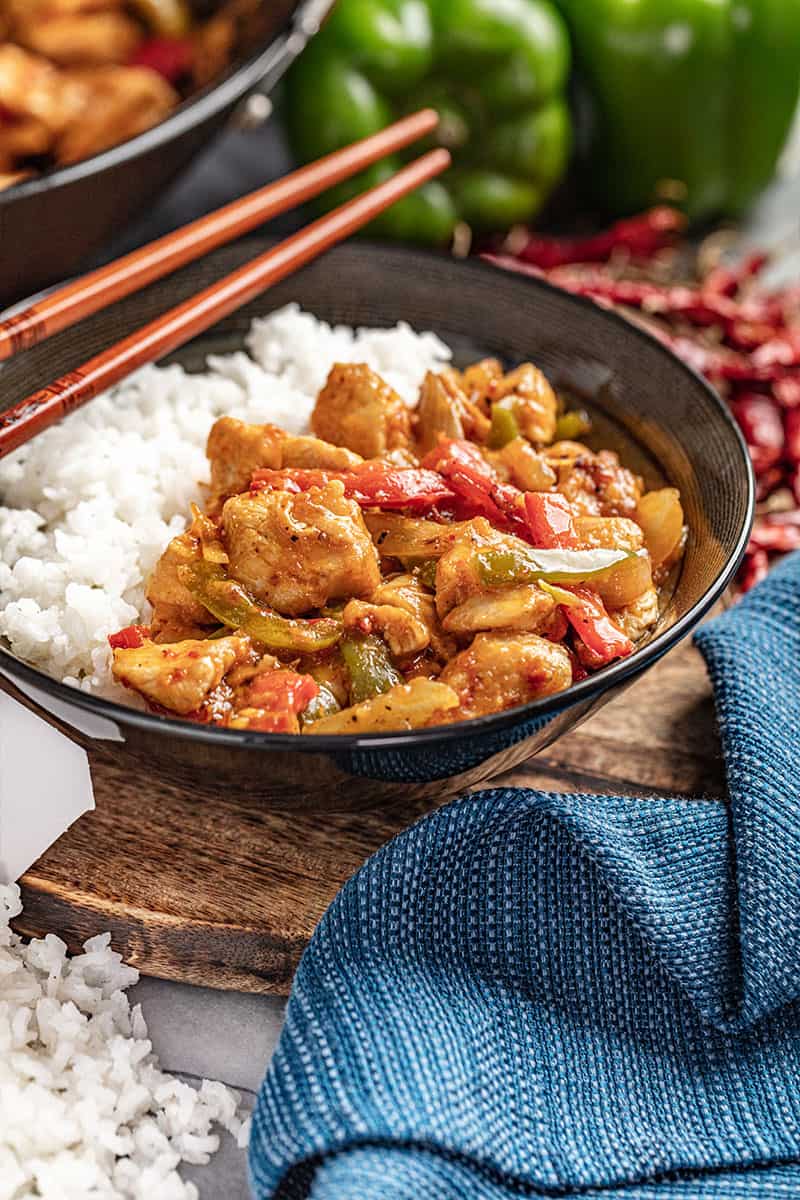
(298, 552)
(401, 567)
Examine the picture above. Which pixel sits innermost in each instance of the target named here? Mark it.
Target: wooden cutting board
(227, 893)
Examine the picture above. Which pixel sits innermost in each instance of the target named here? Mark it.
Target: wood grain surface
(227, 893)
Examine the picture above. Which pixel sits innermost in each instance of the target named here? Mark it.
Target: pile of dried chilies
(721, 319)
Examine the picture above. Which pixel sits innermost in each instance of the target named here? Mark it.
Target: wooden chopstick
(177, 326)
(97, 289)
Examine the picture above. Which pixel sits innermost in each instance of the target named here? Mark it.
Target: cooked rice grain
(85, 1111)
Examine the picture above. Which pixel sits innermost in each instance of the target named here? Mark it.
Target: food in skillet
(79, 76)
(397, 568)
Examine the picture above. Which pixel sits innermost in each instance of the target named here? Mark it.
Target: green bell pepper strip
(323, 705)
(504, 427)
(692, 99)
(370, 667)
(495, 72)
(232, 604)
(573, 425)
(497, 567)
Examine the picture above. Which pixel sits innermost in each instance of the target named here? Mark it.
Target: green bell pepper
(495, 72)
(691, 100)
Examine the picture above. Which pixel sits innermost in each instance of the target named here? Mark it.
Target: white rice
(88, 507)
(85, 1111)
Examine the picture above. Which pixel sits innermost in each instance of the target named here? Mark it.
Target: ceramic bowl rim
(602, 680)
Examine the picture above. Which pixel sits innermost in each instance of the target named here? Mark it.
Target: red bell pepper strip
(371, 486)
(587, 615)
(279, 696)
(130, 638)
(473, 480)
(550, 520)
(169, 57)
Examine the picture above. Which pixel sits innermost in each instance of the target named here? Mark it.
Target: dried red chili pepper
(642, 236)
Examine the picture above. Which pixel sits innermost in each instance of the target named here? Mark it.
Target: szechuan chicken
(402, 568)
(79, 76)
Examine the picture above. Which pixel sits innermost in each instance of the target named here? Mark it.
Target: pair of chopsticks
(166, 333)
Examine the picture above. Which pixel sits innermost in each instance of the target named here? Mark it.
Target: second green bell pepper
(495, 72)
(689, 101)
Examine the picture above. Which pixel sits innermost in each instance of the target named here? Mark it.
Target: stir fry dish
(79, 76)
(400, 568)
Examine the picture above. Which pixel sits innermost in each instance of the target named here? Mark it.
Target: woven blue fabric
(532, 994)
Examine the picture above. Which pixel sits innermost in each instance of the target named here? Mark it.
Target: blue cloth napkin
(529, 994)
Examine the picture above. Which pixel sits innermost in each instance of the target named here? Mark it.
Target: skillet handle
(256, 108)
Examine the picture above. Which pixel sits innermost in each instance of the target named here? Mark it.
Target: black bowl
(671, 424)
(50, 224)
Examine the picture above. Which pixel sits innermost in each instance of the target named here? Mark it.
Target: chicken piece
(406, 591)
(523, 606)
(82, 39)
(637, 618)
(123, 101)
(526, 468)
(176, 613)
(179, 676)
(32, 88)
(235, 450)
(503, 670)
(608, 533)
(313, 454)
(595, 484)
(480, 380)
(404, 633)
(534, 402)
(357, 409)
(406, 706)
(444, 411)
(299, 551)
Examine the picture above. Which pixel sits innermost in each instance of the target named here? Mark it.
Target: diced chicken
(235, 450)
(314, 454)
(357, 409)
(503, 670)
(31, 88)
(123, 101)
(297, 552)
(406, 591)
(403, 632)
(523, 606)
(406, 706)
(637, 618)
(445, 411)
(480, 380)
(176, 613)
(527, 469)
(534, 402)
(595, 484)
(82, 39)
(179, 676)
